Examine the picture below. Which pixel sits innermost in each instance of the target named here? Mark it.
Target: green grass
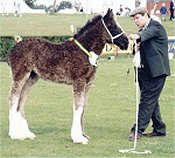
(58, 24)
(111, 106)
(109, 115)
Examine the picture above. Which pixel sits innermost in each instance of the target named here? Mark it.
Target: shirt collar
(146, 25)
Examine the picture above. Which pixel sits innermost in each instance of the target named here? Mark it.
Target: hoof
(81, 140)
(23, 136)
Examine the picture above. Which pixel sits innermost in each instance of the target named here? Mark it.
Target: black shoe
(154, 134)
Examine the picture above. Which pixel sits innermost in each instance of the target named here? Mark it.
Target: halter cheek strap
(109, 33)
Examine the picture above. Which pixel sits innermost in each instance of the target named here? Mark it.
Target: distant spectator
(127, 11)
(17, 5)
(163, 11)
(120, 10)
(4, 8)
(171, 10)
(137, 3)
(81, 10)
(77, 6)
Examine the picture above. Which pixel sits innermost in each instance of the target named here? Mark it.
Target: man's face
(140, 20)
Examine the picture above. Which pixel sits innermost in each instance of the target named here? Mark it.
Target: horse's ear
(109, 14)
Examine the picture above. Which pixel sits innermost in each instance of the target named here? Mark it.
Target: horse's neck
(93, 41)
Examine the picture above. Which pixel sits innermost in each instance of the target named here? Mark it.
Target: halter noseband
(112, 37)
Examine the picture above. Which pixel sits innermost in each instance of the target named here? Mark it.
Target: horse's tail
(7, 59)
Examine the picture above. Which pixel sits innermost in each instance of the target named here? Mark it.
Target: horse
(72, 62)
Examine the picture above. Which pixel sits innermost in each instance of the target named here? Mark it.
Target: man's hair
(144, 14)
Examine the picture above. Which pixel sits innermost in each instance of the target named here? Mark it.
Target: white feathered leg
(18, 126)
(77, 124)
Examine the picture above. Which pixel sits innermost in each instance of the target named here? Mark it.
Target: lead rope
(133, 150)
(137, 101)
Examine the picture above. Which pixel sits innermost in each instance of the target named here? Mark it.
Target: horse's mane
(88, 25)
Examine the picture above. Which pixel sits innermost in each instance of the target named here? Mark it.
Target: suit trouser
(171, 14)
(150, 90)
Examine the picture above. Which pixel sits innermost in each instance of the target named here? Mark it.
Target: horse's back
(34, 50)
(58, 62)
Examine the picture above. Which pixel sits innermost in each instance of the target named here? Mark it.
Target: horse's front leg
(77, 133)
(87, 87)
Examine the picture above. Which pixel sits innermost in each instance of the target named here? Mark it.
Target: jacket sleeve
(150, 32)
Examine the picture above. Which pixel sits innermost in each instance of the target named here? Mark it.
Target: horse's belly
(58, 76)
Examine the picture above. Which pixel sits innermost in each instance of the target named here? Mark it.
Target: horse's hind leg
(15, 116)
(33, 78)
(18, 127)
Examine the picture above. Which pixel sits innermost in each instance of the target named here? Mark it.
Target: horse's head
(115, 33)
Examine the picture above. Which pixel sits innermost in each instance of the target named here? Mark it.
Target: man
(163, 11)
(171, 10)
(153, 46)
(17, 5)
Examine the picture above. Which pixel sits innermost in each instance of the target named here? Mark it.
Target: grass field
(59, 24)
(109, 115)
(110, 112)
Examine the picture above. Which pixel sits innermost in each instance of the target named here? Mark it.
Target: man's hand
(133, 36)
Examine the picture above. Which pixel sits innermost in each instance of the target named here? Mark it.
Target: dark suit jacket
(154, 49)
(171, 6)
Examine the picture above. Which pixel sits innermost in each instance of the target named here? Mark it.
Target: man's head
(140, 16)
(163, 4)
